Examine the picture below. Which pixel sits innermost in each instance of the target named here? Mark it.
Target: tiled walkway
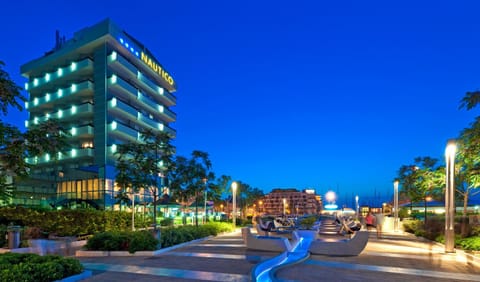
(396, 257)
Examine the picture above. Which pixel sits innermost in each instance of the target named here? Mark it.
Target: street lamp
(205, 199)
(450, 196)
(284, 203)
(395, 205)
(356, 205)
(234, 192)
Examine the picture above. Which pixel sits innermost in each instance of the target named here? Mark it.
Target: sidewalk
(396, 257)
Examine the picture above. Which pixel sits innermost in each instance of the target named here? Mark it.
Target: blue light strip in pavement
(168, 272)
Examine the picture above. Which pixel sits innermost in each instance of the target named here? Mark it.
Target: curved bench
(265, 243)
(342, 247)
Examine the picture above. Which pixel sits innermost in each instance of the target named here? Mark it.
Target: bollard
(13, 237)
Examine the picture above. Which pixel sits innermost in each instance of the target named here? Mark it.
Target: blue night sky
(303, 94)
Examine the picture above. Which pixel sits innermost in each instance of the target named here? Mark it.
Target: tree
(187, 180)
(50, 139)
(421, 179)
(9, 92)
(467, 172)
(470, 101)
(12, 153)
(140, 164)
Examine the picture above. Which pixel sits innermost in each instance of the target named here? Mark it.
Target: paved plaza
(395, 257)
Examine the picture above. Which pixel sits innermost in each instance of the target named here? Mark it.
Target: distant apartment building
(104, 87)
(291, 202)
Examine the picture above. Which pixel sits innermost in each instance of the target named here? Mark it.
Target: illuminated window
(73, 66)
(59, 72)
(47, 77)
(60, 113)
(35, 101)
(35, 82)
(47, 97)
(74, 109)
(86, 145)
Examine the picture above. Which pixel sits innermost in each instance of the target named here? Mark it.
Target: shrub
(166, 222)
(35, 268)
(122, 241)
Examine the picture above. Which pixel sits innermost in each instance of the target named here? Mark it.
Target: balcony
(121, 110)
(121, 88)
(73, 154)
(83, 111)
(122, 66)
(52, 80)
(160, 95)
(82, 132)
(161, 112)
(121, 131)
(76, 92)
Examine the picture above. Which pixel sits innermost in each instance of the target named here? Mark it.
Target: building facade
(104, 87)
(291, 202)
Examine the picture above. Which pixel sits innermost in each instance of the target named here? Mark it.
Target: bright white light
(74, 87)
(451, 149)
(74, 153)
(47, 97)
(160, 90)
(26, 85)
(114, 125)
(330, 196)
(60, 72)
(114, 79)
(114, 102)
(234, 186)
(35, 82)
(74, 109)
(60, 113)
(47, 77)
(35, 101)
(161, 126)
(60, 93)
(73, 66)
(160, 108)
(114, 148)
(74, 131)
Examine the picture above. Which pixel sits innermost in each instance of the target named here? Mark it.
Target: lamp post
(234, 202)
(284, 203)
(205, 199)
(395, 205)
(133, 211)
(356, 205)
(450, 196)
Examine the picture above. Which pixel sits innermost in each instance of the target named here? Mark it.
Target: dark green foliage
(166, 222)
(72, 222)
(35, 268)
(122, 241)
(176, 235)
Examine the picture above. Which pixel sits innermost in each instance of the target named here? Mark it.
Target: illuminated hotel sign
(149, 62)
(156, 68)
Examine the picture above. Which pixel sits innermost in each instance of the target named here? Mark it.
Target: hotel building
(104, 87)
(291, 202)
